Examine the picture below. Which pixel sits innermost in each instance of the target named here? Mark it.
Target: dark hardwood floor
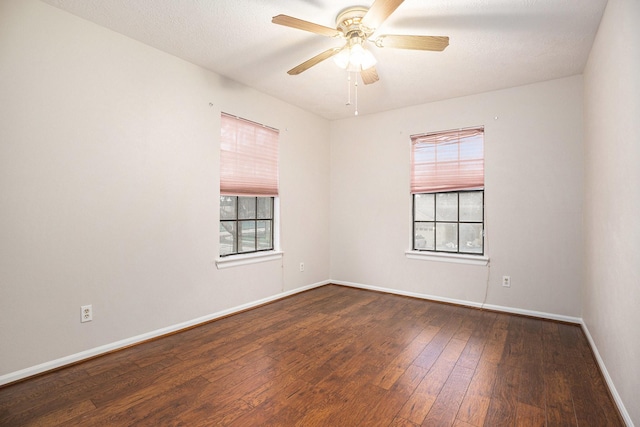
(333, 356)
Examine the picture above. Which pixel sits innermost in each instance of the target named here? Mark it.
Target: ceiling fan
(356, 25)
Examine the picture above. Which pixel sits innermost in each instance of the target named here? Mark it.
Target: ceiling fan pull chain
(348, 88)
(356, 93)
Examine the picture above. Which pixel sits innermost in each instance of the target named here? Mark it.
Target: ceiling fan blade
(289, 21)
(379, 11)
(370, 75)
(313, 61)
(436, 43)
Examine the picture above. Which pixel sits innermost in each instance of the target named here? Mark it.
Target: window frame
(255, 219)
(435, 221)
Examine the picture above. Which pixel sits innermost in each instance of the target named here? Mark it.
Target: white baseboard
(97, 351)
(533, 313)
(511, 310)
(612, 388)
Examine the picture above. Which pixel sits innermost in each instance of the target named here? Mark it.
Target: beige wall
(533, 168)
(612, 198)
(109, 186)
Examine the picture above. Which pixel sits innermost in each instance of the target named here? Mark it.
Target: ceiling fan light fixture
(341, 59)
(355, 58)
(357, 54)
(368, 60)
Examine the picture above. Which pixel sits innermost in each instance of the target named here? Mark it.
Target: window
(246, 224)
(248, 186)
(449, 222)
(447, 184)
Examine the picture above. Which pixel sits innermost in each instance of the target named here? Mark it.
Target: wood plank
(530, 416)
(64, 414)
(394, 370)
(483, 324)
(502, 405)
(395, 398)
(590, 396)
(432, 351)
(357, 407)
(531, 391)
(445, 408)
(56, 399)
(475, 404)
(419, 404)
(559, 401)
(401, 422)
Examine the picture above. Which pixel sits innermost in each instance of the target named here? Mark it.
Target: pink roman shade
(248, 158)
(447, 161)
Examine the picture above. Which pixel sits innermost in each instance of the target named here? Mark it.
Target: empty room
(319, 212)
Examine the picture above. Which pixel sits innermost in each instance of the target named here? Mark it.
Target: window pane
(449, 222)
(447, 237)
(447, 207)
(424, 207)
(424, 236)
(265, 207)
(247, 236)
(228, 207)
(246, 207)
(471, 206)
(264, 235)
(228, 244)
(471, 238)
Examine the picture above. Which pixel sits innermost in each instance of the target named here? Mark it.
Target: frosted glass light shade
(368, 60)
(357, 55)
(342, 58)
(354, 58)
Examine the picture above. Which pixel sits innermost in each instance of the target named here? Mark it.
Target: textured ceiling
(494, 44)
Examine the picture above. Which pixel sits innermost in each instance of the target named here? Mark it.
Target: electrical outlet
(302, 266)
(506, 281)
(86, 313)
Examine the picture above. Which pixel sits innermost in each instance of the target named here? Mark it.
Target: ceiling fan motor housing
(349, 21)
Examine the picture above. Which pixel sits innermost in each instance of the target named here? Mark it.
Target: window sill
(446, 257)
(245, 259)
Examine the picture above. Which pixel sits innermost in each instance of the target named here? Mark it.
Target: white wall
(109, 188)
(533, 171)
(612, 198)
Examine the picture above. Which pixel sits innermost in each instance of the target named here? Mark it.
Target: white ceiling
(494, 44)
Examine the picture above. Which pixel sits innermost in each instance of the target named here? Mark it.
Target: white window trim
(448, 257)
(246, 259)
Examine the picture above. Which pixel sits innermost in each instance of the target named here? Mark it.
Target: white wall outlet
(506, 281)
(302, 266)
(86, 313)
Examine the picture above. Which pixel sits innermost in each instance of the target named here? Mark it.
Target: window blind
(451, 160)
(248, 158)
